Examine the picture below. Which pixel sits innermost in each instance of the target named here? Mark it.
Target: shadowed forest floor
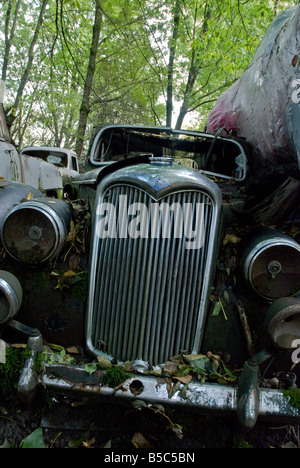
(71, 423)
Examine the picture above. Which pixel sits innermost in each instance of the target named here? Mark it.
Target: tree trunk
(24, 79)
(169, 105)
(193, 71)
(9, 36)
(85, 105)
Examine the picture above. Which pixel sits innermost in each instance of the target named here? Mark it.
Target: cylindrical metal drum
(283, 322)
(11, 295)
(35, 231)
(271, 263)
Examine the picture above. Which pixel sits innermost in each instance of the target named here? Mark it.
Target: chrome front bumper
(246, 401)
(247, 405)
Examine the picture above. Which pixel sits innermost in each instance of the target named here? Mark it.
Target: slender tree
(173, 43)
(85, 105)
(9, 34)
(25, 76)
(195, 62)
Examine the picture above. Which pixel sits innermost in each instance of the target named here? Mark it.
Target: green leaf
(34, 440)
(203, 366)
(76, 443)
(228, 373)
(90, 368)
(217, 308)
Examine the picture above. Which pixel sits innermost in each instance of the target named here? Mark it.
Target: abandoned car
(170, 266)
(65, 160)
(49, 170)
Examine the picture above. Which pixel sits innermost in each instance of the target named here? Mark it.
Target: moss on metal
(293, 396)
(11, 370)
(114, 377)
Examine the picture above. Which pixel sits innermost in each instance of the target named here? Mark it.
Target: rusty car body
(65, 167)
(33, 166)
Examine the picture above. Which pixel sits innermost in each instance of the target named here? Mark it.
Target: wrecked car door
(10, 166)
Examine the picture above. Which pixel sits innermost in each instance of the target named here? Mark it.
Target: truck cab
(50, 166)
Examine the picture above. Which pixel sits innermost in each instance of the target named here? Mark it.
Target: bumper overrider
(246, 401)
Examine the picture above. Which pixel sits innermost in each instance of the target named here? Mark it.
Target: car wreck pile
(173, 279)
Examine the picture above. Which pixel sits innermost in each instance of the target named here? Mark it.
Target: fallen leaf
(90, 368)
(175, 358)
(104, 362)
(170, 367)
(34, 440)
(89, 443)
(54, 273)
(216, 309)
(69, 273)
(74, 261)
(19, 345)
(215, 357)
(175, 387)
(231, 238)
(169, 386)
(73, 350)
(139, 441)
(178, 431)
(30, 195)
(139, 404)
(183, 392)
(158, 408)
(185, 379)
(193, 357)
(72, 232)
(203, 366)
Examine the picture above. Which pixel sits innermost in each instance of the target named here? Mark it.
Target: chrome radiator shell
(148, 297)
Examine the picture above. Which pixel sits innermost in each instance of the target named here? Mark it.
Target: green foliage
(80, 287)
(216, 41)
(11, 370)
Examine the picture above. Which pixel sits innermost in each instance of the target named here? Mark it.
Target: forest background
(69, 65)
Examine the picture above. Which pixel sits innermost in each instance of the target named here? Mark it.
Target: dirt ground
(71, 423)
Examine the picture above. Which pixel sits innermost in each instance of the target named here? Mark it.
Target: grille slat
(148, 291)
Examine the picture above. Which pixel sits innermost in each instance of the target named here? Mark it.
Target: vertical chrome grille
(148, 291)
